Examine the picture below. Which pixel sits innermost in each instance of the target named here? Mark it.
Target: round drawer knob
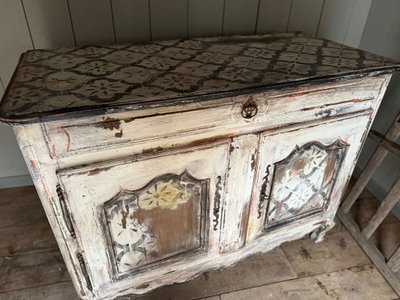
(249, 109)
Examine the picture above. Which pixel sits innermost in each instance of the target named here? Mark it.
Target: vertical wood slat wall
(27, 24)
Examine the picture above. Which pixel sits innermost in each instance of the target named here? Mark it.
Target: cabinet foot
(318, 234)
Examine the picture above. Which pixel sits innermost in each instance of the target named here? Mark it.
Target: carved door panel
(303, 172)
(133, 214)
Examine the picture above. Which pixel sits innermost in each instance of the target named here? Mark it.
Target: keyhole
(249, 109)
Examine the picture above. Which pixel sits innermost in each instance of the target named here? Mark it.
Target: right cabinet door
(302, 173)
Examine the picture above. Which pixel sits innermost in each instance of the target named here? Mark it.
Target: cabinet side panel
(42, 170)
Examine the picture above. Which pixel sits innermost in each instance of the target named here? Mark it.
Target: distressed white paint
(41, 23)
(85, 136)
(276, 147)
(242, 160)
(93, 190)
(223, 151)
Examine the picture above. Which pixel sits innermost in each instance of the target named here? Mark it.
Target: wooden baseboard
(15, 181)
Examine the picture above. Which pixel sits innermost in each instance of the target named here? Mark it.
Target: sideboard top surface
(69, 82)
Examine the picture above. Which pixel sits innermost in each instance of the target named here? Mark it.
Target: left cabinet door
(146, 213)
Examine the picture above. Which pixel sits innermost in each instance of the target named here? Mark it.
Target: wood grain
(32, 270)
(256, 270)
(384, 209)
(58, 291)
(370, 249)
(358, 283)
(20, 207)
(363, 210)
(386, 238)
(338, 251)
(223, 120)
(49, 23)
(31, 238)
(394, 261)
(214, 142)
(131, 20)
(242, 161)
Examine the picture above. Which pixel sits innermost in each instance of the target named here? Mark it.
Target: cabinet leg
(318, 234)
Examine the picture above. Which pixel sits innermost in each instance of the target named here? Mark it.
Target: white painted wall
(27, 24)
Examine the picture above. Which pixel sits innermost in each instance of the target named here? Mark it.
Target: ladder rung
(384, 142)
(394, 261)
(384, 209)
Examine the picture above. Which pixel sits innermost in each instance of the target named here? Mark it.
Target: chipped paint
(119, 134)
(135, 221)
(152, 150)
(264, 197)
(97, 171)
(314, 165)
(109, 124)
(217, 203)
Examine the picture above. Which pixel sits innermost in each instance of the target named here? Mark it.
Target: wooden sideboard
(159, 161)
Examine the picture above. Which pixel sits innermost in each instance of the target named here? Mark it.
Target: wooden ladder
(386, 144)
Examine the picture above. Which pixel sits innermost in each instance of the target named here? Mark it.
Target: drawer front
(152, 214)
(166, 129)
(303, 173)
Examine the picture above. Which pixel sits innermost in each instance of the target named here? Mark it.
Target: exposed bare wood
(362, 282)
(58, 291)
(384, 142)
(32, 237)
(209, 171)
(242, 161)
(394, 261)
(246, 273)
(32, 270)
(10, 207)
(338, 251)
(370, 249)
(262, 212)
(384, 209)
(146, 129)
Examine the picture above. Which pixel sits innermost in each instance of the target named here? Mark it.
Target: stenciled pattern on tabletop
(302, 182)
(50, 81)
(135, 221)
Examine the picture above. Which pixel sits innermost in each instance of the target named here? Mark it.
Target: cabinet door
(303, 172)
(132, 214)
